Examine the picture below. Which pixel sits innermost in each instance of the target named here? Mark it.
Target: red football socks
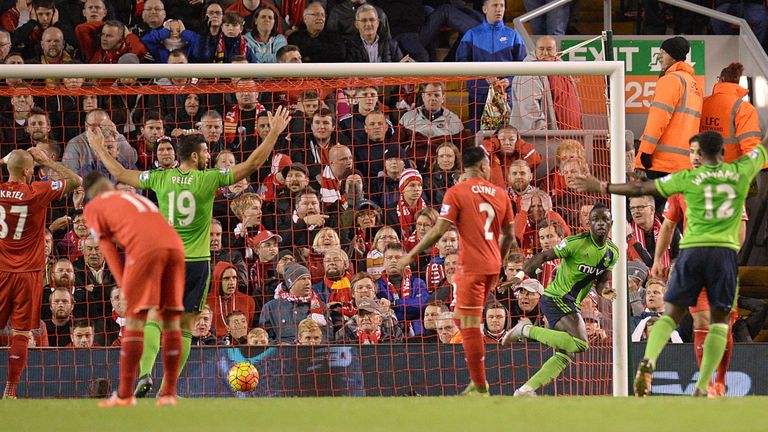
(474, 349)
(171, 361)
(17, 361)
(699, 336)
(722, 368)
(131, 347)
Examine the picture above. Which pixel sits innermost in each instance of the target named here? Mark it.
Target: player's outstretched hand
(403, 263)
(95, 137)
(586, 184)
(280, 119)
(40, 157)
(504, 286)
(609, 293)
(659, 270)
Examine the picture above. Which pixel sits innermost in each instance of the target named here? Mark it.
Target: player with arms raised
(153, 277)
(23, 206)
(185, 195)
(715, 194)
(586, 260)
(483, 215)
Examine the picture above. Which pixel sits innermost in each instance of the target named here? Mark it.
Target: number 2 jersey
(186, 201)
(715, 195)
(479, 209)
(23, 208)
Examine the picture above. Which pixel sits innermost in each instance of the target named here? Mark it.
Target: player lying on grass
(483, 216)
(586, 260)
(715, 193)
(152, 277)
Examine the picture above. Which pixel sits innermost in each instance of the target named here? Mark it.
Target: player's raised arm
(507, 242)
(427, 242)
(96, 141)
(277, 123)
(530, 268)
(72, 180)
(663, 241)
(590, 184)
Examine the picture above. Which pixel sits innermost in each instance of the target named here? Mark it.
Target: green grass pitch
(423, 414)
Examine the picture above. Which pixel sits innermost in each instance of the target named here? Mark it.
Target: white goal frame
(613, 69)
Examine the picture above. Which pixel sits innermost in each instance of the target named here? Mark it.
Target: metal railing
(520, 21)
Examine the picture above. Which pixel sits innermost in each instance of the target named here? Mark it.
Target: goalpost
(296, 74)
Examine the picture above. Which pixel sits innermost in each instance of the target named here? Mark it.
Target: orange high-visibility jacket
(726, 112)
(673, 118)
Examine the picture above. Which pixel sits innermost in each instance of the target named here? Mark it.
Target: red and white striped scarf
(221, 49)
(232, 121)
(405, 289)
(315, 304)
(640, 236)
(367, 339)
(405, 215)
(329, 187)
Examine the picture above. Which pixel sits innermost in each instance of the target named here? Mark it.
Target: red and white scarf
(232, 121)
(404, 291)
(368, 339)
(329, 187)
(221, 49)
(316, 306)
(405, 215)
(640, 237)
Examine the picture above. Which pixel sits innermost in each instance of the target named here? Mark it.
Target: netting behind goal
(349, 140)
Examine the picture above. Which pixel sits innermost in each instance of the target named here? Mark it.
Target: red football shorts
(20, 299)
(154, 280)
(472, 292)
(702, 303)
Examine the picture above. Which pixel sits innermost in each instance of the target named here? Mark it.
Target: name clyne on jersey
(182, 180)
(18, 195)
(482, 189)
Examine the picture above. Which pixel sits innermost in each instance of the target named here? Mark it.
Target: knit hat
(394, 151)
(293, 272)
(408, 176)
(637, 269)
(677, 47)
(284, 253)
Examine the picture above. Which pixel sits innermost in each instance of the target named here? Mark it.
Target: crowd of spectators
(305, 251)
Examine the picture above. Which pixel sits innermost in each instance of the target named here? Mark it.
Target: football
(243, 377)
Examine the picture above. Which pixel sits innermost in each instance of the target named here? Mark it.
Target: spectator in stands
(535, 208)
(212, 128)
(545, 102)
(444, 173)
(316, 152)
(368, 45)
(343, 17)
(202, 333)
(34, 38)
(411, 200)
(435, 270)
(431, 312)
(510, 149)
(370, 147)
(114, 42)
(595, 333)
(567, 199)
(496, 324)
(429, 125)
(152, 18)
(240, 120)
(552, 23)
(59, 326)
(300, 128)
(14, 126)
(490, 41)
(249, 10)
(38, 126)
(352, 125)
(366, 327)
(317, 43)
(264, 277)
(554, 181)
(224, 298)
(340, 162)
(306, 220)
(550, 235)
(295, 302)
(52, 49)
(111, 142)
(637, 272)
(50, 261)
(279, 211)
(335, 287)
(445, 290)
(71, 245)
(289, 54)
(385, 189)
(374, 262)
(674, 115)
(654, 299)
(363, 287)
(237, 329)
(264, 40)
(753, 11)
(519, 183)
(308, 332)
(424, 220)
(5, 44)
(109, 331)
(258, 337)
(210, 35)
(326, 238)
(161, 41)
(93, 283)
(514, 263)
(447, 330)
(645, 227)
(229, 255)
(92, 11)
(528, 294)
(407, 293)
(83, 333)
(62, 276)
(149, 139)
(78, 154)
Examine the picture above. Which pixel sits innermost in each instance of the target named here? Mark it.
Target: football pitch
(396, 414)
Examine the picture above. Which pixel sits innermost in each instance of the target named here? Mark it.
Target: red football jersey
(22, 224)
(479, 209)
(132, 220)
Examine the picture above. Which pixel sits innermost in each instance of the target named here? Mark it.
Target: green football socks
(558, 340)
(714, 347)
(186, 344)
(659, 337)
(152, 333)
(550, 370)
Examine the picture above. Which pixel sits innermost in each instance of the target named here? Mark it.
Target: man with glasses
(368, 44)
(645, 227)
(317, 43)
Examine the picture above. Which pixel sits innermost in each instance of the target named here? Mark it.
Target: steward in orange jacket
(674, 115)
(725, 111)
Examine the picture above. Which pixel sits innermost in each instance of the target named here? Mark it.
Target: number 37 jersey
(715, 195)
(479, 209)
(23, 208)
(186, 201)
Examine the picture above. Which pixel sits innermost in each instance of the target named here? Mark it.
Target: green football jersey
(186, 201)
(582, 262)
(715, 197)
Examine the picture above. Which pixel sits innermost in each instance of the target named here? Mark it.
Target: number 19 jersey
(715, 195)
(186, 201)
(479, 209)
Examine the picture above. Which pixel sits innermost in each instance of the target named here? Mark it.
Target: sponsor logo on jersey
(589, 269)
(666, 178)
(144, 176)
(57, 185)
(561, 245)
(753, 154)
(224, 170)
(445, 209)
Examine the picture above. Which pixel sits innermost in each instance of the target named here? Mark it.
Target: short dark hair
(178, 52)
(285, 50)
(118, 24)
(234, 313)
(36, 110)
(323, 112)
(91, 179)
(710, 142)
(307, 191)
(48, 4)
(82, 323)
(599, 206)
(152, 116)
(232, 17)
(552, 223)
(394, 246)
(472, 156)
(438, 304)
(255, 16)
(189, 144)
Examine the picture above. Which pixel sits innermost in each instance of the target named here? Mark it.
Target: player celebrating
(23, 206)
(153, 277)
(483, 216)
(586, 260)
(715, 193)
(185, 195)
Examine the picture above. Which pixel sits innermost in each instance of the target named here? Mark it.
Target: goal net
(362, 137)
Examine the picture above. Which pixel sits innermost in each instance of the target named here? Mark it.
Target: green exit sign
(639, 56)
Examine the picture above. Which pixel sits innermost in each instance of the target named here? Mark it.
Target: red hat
(408, 176)
(264, 236)
(280, 161)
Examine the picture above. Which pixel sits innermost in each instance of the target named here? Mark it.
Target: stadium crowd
(306, 250)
